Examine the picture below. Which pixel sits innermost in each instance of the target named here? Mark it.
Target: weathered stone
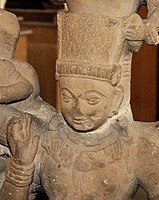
(93, 150)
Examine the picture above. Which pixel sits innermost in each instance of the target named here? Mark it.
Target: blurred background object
(2, 4)
(34, 4)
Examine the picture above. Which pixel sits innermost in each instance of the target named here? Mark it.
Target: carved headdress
(86, 47)
(110, 74)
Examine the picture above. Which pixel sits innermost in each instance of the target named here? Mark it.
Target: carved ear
(119, 94)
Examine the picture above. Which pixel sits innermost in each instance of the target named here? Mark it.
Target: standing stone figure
(93, 150)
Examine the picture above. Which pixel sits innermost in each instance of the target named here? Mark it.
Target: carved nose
(77, 108)
(77, 111)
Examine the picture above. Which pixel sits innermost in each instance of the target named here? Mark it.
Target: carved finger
(154, 37)
(150, 39)
(129, 36)
(14, 129)
(12, 144)
(34, 145)
(29, 120)
(26, 126)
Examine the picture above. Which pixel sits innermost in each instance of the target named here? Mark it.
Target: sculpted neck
(102, 137)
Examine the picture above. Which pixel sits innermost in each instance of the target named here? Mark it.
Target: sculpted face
(85, 103)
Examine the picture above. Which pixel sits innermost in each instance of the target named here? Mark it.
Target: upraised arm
(20, 166)
(13, 86)
(152, 22)
(138, 30)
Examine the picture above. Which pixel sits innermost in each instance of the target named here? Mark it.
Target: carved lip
(78, 120)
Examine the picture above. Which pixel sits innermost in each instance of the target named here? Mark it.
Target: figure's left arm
(15, 87)
(152, 22)
(20, 166)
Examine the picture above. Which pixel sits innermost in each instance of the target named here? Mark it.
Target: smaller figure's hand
(151, 33)
(23, 145)
(135, 28)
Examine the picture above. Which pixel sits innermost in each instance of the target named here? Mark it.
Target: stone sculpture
(19, 85)
(93, 150)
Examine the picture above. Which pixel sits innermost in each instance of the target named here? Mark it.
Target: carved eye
(93, 97)
(93, 101)
(66, 98)
(66, 95)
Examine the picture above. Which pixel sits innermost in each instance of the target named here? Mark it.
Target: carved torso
(104, 168)
(73, 173)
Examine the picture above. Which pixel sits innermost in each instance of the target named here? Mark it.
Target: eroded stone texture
(97, 165)
(93, 150)
(19, 85)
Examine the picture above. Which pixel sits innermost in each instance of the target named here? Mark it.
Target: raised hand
(135, 28)
(22, 143)
(151, 33)
(138, 29)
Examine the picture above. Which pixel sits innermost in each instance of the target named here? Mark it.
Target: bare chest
(88, 176)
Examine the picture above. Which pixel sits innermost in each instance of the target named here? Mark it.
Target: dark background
(33, 4)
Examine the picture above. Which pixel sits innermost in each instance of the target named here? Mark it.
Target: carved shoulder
(146, 140)
(29, 73)
(8, 72)
(147, 157)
